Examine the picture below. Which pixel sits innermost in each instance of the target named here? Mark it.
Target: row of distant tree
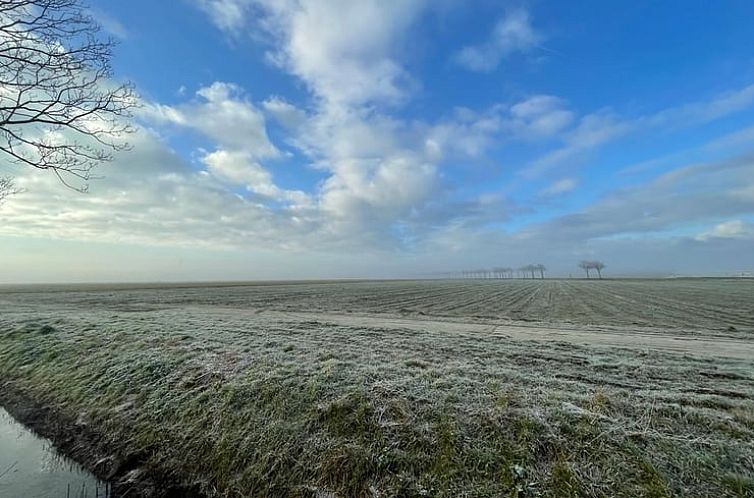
(528, 271)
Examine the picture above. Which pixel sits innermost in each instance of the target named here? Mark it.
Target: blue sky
(327, 138)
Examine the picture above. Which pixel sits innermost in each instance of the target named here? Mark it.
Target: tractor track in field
(637, 338)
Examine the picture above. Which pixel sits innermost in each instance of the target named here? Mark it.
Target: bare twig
(7, 188)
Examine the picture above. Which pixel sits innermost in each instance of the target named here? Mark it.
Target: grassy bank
(238, 406)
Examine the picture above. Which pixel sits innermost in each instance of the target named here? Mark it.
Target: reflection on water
(31, 468)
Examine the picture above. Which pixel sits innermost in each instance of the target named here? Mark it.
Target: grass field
(377, 389)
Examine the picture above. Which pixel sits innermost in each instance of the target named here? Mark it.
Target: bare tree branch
(7, 188)
(59, 110)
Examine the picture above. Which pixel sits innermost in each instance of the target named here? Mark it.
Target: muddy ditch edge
(86, 446)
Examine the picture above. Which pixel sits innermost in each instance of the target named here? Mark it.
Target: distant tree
(529, 270)
(599, 266)
(502, 272)
(541, 269)
(585, 265)
(592, 265)
(59, 110)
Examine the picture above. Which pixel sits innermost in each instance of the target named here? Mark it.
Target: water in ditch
(31, 468)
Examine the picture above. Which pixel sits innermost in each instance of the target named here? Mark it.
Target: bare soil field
(393, 388)
(688, 305)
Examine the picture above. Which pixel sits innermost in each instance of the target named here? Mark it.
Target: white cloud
(559, 187)
(705, 111)
(228, 15)
(471, 134)
(732, 141)
(151, 196)
(733, 229)
(284, 112)
(240, 169)
(596, 129)
(468, 139)
(238, 128)
(541, 116)
(386, 187)
(222, 113)
(694, 194)
(342, 49)
(110, 24)
(347, 53)
(512, 33)
(592, 131)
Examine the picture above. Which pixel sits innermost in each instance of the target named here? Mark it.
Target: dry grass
(241, 405)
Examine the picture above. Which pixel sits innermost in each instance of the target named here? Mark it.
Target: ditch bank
(76, 440)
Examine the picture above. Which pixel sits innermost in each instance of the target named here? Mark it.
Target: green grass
(245, 406)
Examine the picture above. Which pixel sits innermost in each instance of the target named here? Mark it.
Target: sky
(292, 139)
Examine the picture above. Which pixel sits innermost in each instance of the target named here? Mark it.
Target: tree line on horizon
(530, 271)
(527, 271)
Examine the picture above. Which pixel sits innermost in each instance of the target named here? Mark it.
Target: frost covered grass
(240, 404)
